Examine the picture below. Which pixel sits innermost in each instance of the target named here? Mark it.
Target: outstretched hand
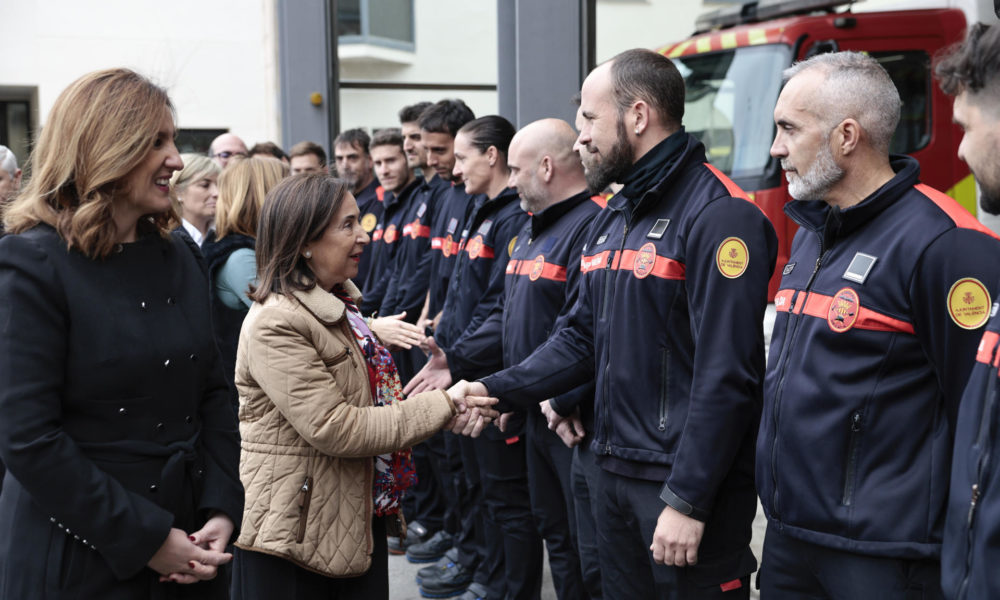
(396, 333)
(434, 376)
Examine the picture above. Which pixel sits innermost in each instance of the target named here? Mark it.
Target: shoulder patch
(732, 257)
(510, 246)
(368, 222)
(969, 303)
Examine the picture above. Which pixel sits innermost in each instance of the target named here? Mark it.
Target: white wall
(217, 58)
(624, 24)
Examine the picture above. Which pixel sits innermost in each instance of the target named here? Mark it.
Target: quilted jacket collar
(326, 307)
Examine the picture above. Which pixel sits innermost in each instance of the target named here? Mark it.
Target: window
(911, 72)
(381, 22)
(15, 128)
(196, 140)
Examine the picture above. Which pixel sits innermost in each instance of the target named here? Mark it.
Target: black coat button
(152, 489)
(189, 419)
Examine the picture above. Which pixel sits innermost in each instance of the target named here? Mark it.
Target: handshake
(474, 406)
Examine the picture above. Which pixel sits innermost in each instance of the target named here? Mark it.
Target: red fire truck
(732, 69)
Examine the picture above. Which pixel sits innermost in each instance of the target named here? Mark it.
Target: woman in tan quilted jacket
(325, 434)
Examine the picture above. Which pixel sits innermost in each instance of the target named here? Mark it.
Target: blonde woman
(194, 191)
(120, 445)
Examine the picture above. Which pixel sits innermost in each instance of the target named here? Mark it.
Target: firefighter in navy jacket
(540, 280)
(970, 553)
(879, 311)
(669, 324)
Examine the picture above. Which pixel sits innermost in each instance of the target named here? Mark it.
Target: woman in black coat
(121, 446)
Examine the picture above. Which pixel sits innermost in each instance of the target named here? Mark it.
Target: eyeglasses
(228, 154)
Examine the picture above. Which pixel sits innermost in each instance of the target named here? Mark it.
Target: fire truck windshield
(729, 105)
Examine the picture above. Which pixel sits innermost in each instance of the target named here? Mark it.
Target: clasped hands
(475, 408)
(196, 557)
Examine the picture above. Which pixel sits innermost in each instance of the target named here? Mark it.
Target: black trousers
(791, 568)
(259, 576)
(629, 509)
(584, 481)
(549, 464)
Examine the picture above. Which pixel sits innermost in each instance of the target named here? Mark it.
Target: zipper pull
(856, 422)
(305, 486)
(972, 504)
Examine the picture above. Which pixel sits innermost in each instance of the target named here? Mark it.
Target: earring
(637, 131)
(308, 254)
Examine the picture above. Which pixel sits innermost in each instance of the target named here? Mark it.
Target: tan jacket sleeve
(316, 400)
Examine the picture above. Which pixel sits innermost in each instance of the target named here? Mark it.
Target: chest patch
(452, 225)
(476, 246)
(844, 310)
(485, 227)
(537, 267)
(601, 239)
(993, 309)
(368, 222)
(732, 257)
(644, 261)
(861, 265)
(422, 209)
(969, 303)
(658, 229)
(788, 269)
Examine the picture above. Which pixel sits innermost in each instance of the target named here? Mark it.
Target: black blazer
(116, 426)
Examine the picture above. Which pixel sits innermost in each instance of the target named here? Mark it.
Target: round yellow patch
(732, 257)
(510, 246)
(969, 303)
(368, 222)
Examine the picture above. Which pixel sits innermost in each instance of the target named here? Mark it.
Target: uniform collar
(542, 220)
(671, 159)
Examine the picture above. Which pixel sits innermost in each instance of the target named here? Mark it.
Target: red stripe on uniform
(415, 230)
(818, 305)
(377, 235)
(987, 345)
(664, 268)
(600, 200)
(734, 190)
(550, 271)
(954, 210)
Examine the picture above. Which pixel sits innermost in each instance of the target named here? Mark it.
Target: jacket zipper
(305, 495)
(664, 387)
(782, 361)
(983, 443)
(608, 280)
(852, 457)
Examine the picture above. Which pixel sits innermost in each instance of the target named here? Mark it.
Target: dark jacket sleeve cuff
(680, 505)
(561, 406)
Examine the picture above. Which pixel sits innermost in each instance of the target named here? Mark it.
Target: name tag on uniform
(993, 309)
(659, 228)
(485, 227)
(421, 210)
(860, 267)
(601, 239)
(452, 225)
(788, 269)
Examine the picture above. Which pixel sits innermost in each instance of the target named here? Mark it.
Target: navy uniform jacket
(452, 209)
(385, 244)
(370, 206)
(116, 422)
(878, 316)
(407, 291)
(540, 281)
(476, 281)
(669, 322)
(971, 552)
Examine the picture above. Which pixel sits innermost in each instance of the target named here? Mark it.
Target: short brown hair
(390, 136)
(268, 148)
(100, 128)
(295, 213)
(242, 188)
(307, 147)
(972, 65)
(640, 74)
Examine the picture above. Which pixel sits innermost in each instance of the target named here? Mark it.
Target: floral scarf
(394, 472)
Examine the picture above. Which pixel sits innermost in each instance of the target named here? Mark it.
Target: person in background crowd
(10, 176)
(232, 266)
(194, 191)
(969, 553)
(494, 466)
(323, 424)
(880, 308)
(117, 431)
(413, 146)
(673, 287)
(308, 157)
(226, 147)
(354, 165)
(269, 149)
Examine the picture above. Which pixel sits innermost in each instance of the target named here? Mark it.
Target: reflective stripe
(818, 305)
(987, 345)
(549, 271)
(664, 268)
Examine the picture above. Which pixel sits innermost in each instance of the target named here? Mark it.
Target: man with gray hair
(10, 175)
(879, 311)
(970, 554)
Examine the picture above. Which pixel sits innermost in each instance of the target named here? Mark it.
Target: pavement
(403, 586)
